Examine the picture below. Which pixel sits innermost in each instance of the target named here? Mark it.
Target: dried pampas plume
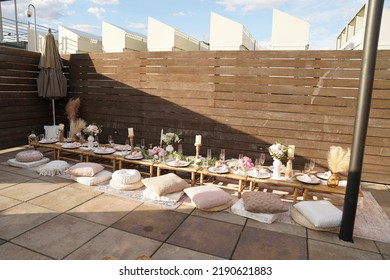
(77, 126)
(338, 159)
(72, 108)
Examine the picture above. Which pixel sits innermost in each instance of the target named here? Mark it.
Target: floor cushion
(320, 213)
(55, 167)
(238, 208)
(84, 169)
(28, 156)
(171, 197)
(14, 162)
(101, 177)
(165, 184)
(208, 197)
(263, 202)
(126, 180)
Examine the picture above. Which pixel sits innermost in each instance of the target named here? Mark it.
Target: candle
(61, 126)
(290, 151)
(131, 132)
(161, 137)
(198, 140)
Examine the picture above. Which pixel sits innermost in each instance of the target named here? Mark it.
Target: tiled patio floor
(55, 218)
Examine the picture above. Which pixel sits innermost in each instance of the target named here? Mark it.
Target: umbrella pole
(54, 112)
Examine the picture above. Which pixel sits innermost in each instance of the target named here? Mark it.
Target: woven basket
(300, 219)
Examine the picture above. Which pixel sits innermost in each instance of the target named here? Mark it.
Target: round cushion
(126, 176)
(29, 156)
(126, 187)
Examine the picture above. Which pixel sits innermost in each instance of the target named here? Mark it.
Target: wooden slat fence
(240, 101)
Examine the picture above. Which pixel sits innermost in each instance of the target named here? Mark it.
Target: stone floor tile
(58, 180)
(384, 248)
(9, 251)
(261, 244)
(104, 209)
(172, 252)
(207, 236)
(383, 198)
(21, 218)
(9, 179)
(2, 241)
(319, 250)
(63, 199)
(279, 227)
(372, 186)
(223, 216)
(27, 172)
(29, 190)
(60, 236)
(6, 202)
(333, 237)
(152, 222)
(115, 243)
(386, 257)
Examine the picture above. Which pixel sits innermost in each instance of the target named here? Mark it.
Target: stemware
(126, 148)
(180, 149)
(110, 140)
(312, 163)
(262, 159)
(306, 168)
(222, 155)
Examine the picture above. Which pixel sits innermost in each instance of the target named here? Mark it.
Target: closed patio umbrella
(51, 80)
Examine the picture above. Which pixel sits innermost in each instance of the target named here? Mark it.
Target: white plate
(104, 151)
(71, 146)
(323, 175)
(219, 170)
(259, 175)
(48, 141)
(178, 163)
(314, 180)
(134, 157)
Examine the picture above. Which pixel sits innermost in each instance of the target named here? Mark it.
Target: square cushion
(238, 208)
(165, 184)
(262, 202)
(14, 162)
(51, 131)
(84, 169)
(29, 156)
(101, 177)
(55, 167)
(171, 197)
(208, 197)
(320, 213)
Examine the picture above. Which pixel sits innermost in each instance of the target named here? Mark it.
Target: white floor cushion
(101, 177)
(14, 162)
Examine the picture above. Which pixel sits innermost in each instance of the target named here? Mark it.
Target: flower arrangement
(245, 163)
(338, 159)
(169, 138)
(278, 151)
(92, 130)
(156, 152)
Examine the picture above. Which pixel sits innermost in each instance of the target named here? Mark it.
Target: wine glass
(312, 163)
(222, 155)
(306, 168)
(126, 147)
(110, 140)
(262, 159)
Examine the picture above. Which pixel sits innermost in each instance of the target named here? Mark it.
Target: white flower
(277, 150)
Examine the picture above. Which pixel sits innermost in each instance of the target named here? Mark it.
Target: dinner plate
(323, 175)
(134, 157)
(71, 146)
(48, 141)
(104, 151)
(178, 163)
(259, 175)
(303, 179)
(219, 170)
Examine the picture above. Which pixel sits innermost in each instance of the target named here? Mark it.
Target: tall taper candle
(198, 140)
(161, 137)
(131, 132)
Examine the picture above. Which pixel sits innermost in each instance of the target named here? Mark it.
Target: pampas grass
(72, 108)
(77, 126)
(338, 159)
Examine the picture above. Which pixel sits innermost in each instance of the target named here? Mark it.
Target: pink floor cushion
(29, 156)
(209, 198)
(85, 169)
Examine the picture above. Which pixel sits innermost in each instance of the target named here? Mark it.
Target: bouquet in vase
(92, 130)
(278, 151)
(245, 163)
(170, 138)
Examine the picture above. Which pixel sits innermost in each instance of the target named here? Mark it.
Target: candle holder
(131, 138)
(61, 136)
(197, 148)
(289, 170)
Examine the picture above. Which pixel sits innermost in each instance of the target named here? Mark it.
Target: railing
(12, 33)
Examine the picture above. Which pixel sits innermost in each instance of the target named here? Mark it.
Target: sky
(326, 18)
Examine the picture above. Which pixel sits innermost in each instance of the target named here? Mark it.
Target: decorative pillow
(219, 207)
(238, 208)
(320, 213)
(205, 197)
(29, 156)
(51, 131)
(14, 162)
(84, 169)
(262, 202)
(126, 176)
(171, 197)
(101, 177)
(55, 167)
(165, 184)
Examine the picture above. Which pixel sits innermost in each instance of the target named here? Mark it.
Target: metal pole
(371, 36)
(16, 21)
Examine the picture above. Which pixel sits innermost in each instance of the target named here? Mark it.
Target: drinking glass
(208, 154)
(312, 163)
(126, 148)
(142, 142)
(258, 164)
(306, 169)
(110, 140)
(262, 159)
(180, 149)
(222, 155)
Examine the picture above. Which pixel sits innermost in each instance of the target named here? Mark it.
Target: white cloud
(106, 2)
(136, 25)
(97, 12)
(181, 14)
(248, 5)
